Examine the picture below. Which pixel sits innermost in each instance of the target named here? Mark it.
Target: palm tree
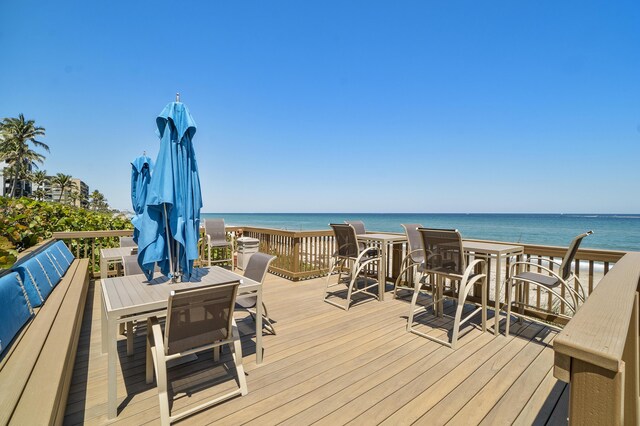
(73, 197)
(39, 194)
(98, 202)
(16, 150)
(63, 182)
(39, 178)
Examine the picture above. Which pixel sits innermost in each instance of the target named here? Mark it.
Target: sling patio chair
(130, 266)
(127, 242)
(445, 260)
(256, 270)
(564, 284)
(357, 261)
(217, 239)
(358, 225)
(411, 266)
(198, 319)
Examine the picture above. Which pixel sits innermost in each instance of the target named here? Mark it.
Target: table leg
(103, 326)
(104, 267)
(112, 398)
(129, 337)
(382, 271)
(259, 313)
(440, 285)
(496, 330)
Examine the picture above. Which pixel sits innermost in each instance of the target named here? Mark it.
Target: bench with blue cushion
(42, 302)
(14, 308)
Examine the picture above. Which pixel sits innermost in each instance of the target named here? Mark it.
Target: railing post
(630, 358)
(597, 352)
(296, 255)
(597, 394)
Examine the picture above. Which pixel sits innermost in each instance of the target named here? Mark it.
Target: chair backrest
(414, 240)
(131, 266)
(358, 225)
(567, 260)
(443, 250)
(216, 230)
(200, 316)
(127, 242)
(258, 266)
(346, 240)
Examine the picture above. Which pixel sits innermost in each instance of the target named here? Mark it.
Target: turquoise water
(614, 232)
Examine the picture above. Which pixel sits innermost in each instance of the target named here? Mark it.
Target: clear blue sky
(316, 106)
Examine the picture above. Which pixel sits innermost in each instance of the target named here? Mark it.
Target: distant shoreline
(612, 231)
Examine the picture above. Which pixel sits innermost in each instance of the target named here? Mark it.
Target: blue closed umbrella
(140, 176)
(171, 219)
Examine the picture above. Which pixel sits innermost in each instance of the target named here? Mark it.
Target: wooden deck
(334, 367)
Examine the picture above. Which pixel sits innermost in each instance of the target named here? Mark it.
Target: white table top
(381, 237)
(491, 248)
(133, 294)
(117, 252)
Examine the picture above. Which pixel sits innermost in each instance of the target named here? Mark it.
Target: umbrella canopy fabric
(171, 218)
(140, 176)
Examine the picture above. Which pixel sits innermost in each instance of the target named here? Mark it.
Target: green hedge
(25, 222)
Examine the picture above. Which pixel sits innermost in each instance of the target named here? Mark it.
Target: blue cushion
(14, 310)
(52, 271)
(58, 259)
(64, 250)
(35, 280)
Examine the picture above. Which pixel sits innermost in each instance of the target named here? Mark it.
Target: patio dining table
(113, 255)
(133, 297)
(499, 252)
(382, 242)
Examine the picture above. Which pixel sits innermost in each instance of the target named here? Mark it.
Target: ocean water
(612, 232)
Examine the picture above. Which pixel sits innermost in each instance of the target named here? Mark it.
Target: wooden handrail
(93, 234)
(281, 232)
(597, 351)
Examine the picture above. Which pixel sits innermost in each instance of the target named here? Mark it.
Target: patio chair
(131, 267)
(217, 238)
(444, 258)
(198, 320)
(411, 265)
(256, 270)
(546, 279)
(349, 255)
(127, 242)
(358, 225)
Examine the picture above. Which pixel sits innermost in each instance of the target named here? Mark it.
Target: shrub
(25, 222)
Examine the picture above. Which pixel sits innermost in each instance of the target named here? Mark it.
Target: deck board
(329, 366)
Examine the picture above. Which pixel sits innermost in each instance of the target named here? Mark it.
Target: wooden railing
(306, 254)
(87, 244)
(300, 254)
(597, 352)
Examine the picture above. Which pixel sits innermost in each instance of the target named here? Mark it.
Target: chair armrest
(470, 268)
(364, 252)
(535, 265)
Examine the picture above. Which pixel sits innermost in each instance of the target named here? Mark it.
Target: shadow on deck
(333, 367)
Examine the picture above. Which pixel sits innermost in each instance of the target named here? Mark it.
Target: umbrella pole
(168, 233)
